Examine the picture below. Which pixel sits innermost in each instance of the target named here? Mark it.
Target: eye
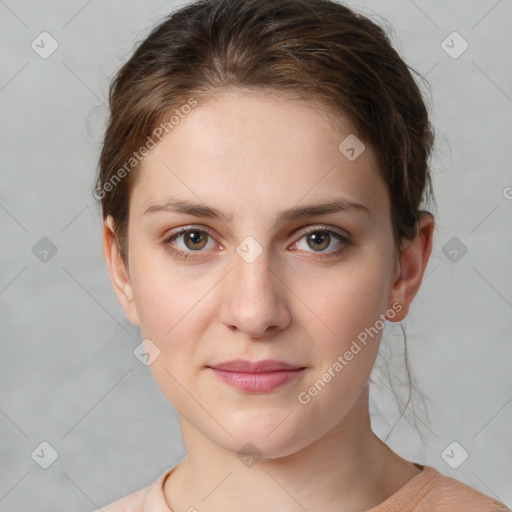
(319, 239)
(193, 240)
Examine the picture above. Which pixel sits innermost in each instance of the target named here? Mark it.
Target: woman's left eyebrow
(292, 214)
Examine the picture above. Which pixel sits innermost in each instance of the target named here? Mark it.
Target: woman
(263, 181)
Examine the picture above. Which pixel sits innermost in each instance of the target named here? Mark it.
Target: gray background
(68, 375)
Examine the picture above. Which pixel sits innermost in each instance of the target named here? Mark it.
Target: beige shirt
(429, 491)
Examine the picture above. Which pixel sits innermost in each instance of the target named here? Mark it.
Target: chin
(265, 436)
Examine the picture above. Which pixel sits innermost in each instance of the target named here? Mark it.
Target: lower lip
(258, 382)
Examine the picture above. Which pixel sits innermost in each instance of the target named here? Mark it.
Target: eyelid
(185, 229)
(171, 236)
(344, 237)
(324, 227)
(310, 229)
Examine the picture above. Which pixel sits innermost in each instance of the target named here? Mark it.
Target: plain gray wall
(68, 375)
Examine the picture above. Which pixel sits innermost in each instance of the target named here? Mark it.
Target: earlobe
(412, 264)
(119, 274)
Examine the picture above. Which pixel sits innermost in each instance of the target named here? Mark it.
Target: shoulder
(445, 494)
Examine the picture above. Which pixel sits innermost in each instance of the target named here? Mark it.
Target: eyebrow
(296, 213)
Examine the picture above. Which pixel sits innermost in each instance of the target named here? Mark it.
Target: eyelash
(190, 254)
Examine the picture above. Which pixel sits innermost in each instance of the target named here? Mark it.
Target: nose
(255, 298)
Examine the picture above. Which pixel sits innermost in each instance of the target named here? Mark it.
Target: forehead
(253, 150)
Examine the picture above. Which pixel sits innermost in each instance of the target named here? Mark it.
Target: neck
(349, 468)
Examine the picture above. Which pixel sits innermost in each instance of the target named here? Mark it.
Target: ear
(119, 274)
(411, 266)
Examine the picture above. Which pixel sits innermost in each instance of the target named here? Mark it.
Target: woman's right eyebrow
(186, 207)
(189, 208)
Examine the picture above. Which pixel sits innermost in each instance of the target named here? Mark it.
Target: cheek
(171, 309)
(165, 294)
(348, 298)
(344, 359)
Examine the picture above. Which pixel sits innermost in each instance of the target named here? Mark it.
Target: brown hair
(310, 49)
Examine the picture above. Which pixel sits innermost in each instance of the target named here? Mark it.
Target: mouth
(257, 377)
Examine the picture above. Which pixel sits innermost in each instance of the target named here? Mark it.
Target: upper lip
(268, 365)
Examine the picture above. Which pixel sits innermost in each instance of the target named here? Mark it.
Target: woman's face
(261, 275)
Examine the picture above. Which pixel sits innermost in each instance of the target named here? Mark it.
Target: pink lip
(256, 377)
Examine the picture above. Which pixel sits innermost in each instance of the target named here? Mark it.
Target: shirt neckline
(408, 491)
(155, 499)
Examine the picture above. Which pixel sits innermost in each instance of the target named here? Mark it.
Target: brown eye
(319, 240)
(189, 243)
(322, 242)
(195, 240)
